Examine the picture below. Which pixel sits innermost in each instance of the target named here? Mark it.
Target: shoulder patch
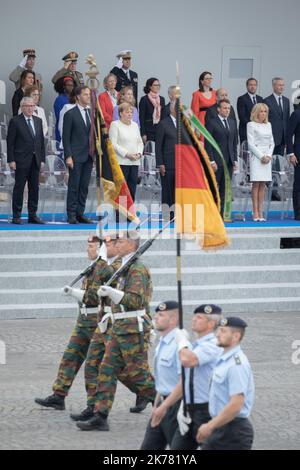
(237, 360)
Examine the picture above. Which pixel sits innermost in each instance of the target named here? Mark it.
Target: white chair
(240, 184)
(149, 174)
(7, 178)
(282, 182)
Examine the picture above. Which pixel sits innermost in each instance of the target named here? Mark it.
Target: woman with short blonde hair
(261, 147)
(256, 110)
(108, 99)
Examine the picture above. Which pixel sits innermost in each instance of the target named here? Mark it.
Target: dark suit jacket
(146, 110)
(227, 141)
(122, 80)
(244, 108)
(75, 136)
(21, 146)
(16, 100)
(212, 113)
(293, 130)
(166, 138)
(279, 124)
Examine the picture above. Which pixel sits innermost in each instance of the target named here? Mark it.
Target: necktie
(226, 125)
(254, 100)
(280, 105)
(87, 118)
(128, 74)
(31, 128)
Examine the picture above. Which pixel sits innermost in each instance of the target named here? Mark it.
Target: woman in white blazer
(261, 146)
(127, 142)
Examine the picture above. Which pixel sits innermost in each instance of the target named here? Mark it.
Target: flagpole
(93, 84)
(178, 237)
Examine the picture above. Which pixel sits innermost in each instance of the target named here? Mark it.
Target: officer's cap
(71, 57)
(128, 234)
(208, 309)
(235, 322)
(29, 52)
(125, 53)
(167, 305)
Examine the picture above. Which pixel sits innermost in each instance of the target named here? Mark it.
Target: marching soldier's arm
(59, 74)
(138, 290)
(102, 273)
(229, 412)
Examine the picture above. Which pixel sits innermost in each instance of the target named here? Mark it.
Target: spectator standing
(125, 76)
(245, 104)
(108, 99)
(126, 139)
(27, 80)
(151, 109)
(261, 145)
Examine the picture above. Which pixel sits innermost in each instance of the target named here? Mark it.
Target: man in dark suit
(245, 104)
(25, 154)
(166, 139)
(293, 151)
(279, 114)
(224, 131)
(76, 131)
(125, 76)
(212, 112)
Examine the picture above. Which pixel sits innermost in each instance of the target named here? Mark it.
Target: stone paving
(34, 349)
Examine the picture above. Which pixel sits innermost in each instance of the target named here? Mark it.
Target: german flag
(114, 185)
(197, 211)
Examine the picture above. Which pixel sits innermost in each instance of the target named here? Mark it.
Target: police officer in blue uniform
(198, 360)
(231, 394)
(167, 370)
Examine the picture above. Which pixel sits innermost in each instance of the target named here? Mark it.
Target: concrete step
(207, 276)
(227, 291)
(154, 259)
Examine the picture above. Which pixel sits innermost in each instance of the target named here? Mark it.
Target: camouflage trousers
(86, 344)
(75, 354)
(123, 355)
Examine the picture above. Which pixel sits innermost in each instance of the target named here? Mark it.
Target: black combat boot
(53, 401)
(85, 415)
(140, 404)
(97, 423)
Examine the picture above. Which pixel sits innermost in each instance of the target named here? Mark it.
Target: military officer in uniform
(125, 76)
(231, 394)
(69, 69)
(86, 324)
(167, 373)
(198, 360)
(27, 63)
(127, 330)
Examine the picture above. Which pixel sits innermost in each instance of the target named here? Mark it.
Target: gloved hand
(115, 295)
(183, 421)
(152, 337)
(23, 62)
(76, 293)
(182, 339)
(103, 252)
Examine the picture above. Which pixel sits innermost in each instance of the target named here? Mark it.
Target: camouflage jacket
(77, 76)
(101, 273)
(137, 285)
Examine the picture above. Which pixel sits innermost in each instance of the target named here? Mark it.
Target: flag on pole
(197, 212)
(114, 185)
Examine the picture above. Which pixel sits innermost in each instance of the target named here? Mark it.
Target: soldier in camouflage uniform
(127, 335)
(86, 324)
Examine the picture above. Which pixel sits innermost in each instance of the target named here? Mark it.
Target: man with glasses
(125, 76)
(25, 155)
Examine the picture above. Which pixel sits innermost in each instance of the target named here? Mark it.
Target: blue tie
(31, 128)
